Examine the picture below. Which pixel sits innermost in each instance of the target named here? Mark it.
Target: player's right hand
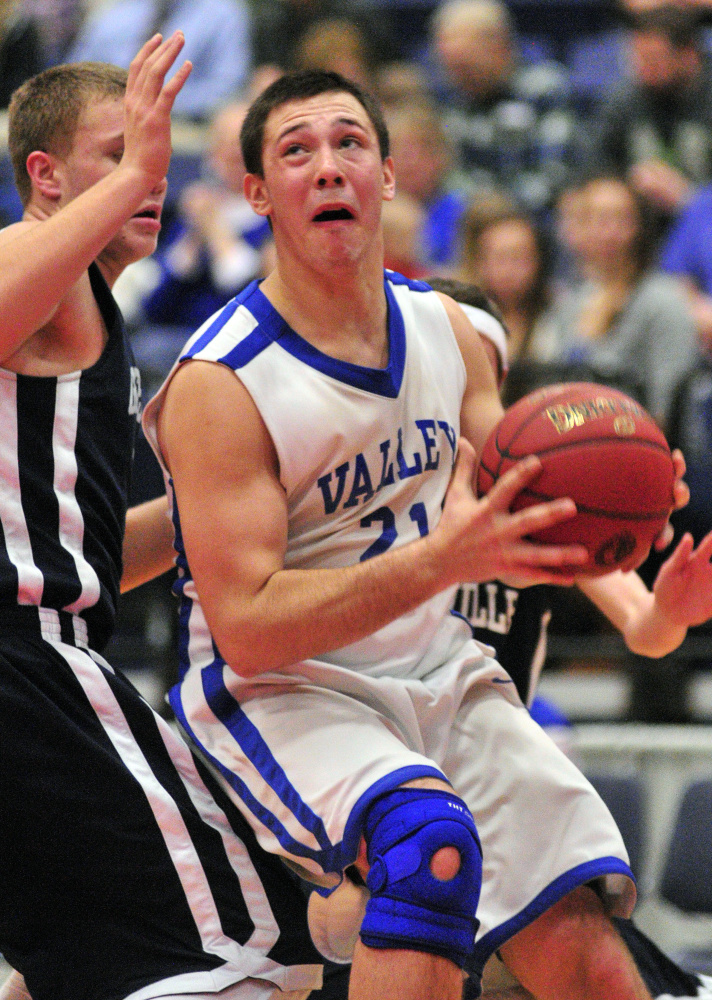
(483, 540)
(148, 104)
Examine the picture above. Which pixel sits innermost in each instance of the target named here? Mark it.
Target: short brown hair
(44, 112)
(302, 85)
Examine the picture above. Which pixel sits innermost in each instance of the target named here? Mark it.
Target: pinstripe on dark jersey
(65, 458)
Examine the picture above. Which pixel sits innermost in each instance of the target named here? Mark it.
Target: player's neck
(346, 318)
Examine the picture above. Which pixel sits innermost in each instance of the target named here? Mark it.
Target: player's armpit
(481, 406)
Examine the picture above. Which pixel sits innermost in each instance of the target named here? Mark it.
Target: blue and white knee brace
(409, 907)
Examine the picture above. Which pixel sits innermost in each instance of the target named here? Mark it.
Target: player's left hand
(681, 497)
(683, 586)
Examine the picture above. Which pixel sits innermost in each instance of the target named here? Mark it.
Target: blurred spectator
(214, 247)
(402, 82)
(569, 231)
(217, 42)
(628, 322)
(687, 250)
(656, 126)
(279, 25)
(423, 160)
(58, 23)
(503, 252)
(403, 219)
(20, 49)
(687, 253)
(512, 124)
(336, 45)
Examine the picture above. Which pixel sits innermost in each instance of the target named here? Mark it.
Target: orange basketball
(602, 449)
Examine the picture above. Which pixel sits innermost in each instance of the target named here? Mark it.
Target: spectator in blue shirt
(423, 160)
(217, 42)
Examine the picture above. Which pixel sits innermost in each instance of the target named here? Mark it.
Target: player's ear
(42, 171)
(389, 179)
(256, 193)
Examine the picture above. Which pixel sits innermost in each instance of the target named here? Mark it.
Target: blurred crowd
(556, 152)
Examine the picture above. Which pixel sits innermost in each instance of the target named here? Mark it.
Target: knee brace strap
(409, 907)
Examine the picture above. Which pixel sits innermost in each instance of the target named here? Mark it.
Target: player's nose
(161, 187)
(328, 170)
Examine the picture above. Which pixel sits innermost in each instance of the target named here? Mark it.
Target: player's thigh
(304, 764)
(539, 819)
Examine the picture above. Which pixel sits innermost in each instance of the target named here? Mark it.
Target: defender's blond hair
(44, 112)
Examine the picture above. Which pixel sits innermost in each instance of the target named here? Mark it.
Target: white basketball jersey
(365, 456)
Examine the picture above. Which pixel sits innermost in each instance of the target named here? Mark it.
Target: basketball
(602, 449)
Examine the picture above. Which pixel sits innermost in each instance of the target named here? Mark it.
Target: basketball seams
(595, 511)
(584, 443)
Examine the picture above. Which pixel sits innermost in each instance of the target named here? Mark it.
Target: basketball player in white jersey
(309, 436)
(126, 873)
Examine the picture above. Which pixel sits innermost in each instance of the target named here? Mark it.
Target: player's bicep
(231, 505)
(481, 406)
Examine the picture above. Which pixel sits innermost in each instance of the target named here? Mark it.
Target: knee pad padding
(409, 907)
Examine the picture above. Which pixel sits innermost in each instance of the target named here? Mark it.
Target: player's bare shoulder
(469, 341)
(205, 404)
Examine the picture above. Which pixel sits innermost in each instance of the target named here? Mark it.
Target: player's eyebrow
(342, 120)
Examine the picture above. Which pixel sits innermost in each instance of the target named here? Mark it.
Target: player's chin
(140, 242)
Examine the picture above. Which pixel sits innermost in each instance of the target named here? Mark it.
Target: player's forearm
(634, 611)
(299, 614)
(50, 257)
(148, 543)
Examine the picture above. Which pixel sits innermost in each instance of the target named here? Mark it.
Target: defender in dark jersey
(125, 871)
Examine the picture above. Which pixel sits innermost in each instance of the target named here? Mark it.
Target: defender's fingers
(175, 84)
(681, 554)
(681, 493)
(664, 538)
(157, 63)
(140, 58)
(678, 462)
(704, 549)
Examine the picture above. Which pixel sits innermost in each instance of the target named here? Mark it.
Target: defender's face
(96, 151)
(324, 181)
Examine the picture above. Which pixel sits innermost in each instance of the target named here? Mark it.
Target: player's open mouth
(147, 213)
(333, 215)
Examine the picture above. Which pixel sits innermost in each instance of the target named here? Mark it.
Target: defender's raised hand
(148, 104)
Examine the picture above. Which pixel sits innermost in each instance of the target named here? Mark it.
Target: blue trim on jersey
(327, 859)
(555, 891)
(415, 286)
(215, 327)
(272, 328)
(459, 614)
(380, 381)
(229, 711)
(332, 857)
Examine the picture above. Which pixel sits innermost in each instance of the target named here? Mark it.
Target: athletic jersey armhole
(153, 408)
(451, 334)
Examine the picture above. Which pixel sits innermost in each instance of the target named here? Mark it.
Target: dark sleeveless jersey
(513, 621)
(66, 448)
